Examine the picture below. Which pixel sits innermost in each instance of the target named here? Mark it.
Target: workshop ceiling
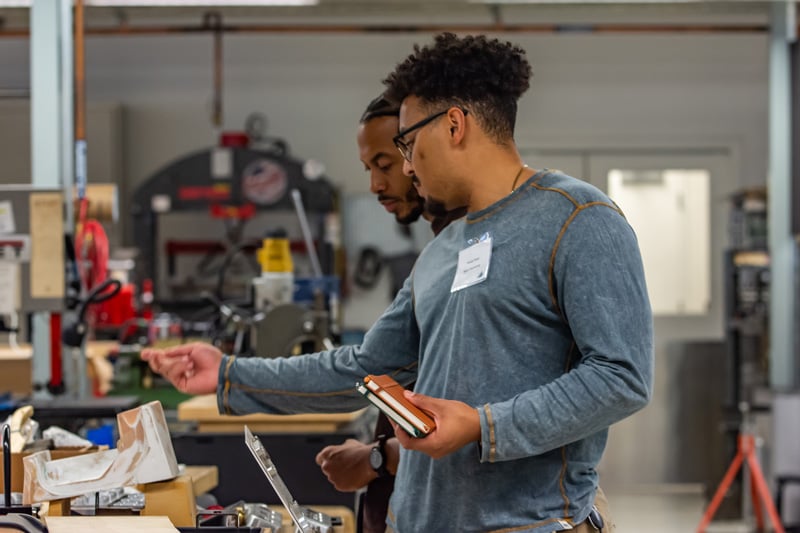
(416, 15)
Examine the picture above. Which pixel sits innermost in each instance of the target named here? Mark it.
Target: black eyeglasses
(407, 147)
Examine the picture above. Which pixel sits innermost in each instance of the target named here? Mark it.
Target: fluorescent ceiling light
(539, 2)
(175, 3)
(192, 3)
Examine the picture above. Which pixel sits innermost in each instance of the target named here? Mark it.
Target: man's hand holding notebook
(387, 395)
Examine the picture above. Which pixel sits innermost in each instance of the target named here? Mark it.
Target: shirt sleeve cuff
(224, 385)
(487, 446)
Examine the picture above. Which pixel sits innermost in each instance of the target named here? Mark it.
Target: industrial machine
(230, 185)
(199, 224)
(747, 285)
(32, 279)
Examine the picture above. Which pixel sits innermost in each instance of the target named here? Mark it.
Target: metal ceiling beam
(348, 16)
(415, 28)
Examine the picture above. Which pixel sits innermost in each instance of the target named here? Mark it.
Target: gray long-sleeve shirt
(552, 348)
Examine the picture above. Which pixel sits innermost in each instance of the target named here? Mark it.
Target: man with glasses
(526, 324)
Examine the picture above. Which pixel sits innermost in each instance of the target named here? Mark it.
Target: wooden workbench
(173, 498)
(106, 524)
(162, 524)
(203, 410)
(171, 504)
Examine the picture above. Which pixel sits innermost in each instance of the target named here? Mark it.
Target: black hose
(7, 465)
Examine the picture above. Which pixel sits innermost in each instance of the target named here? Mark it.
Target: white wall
(639, 88)
(606, 90)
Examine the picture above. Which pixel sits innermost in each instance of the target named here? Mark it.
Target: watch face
(375, 458)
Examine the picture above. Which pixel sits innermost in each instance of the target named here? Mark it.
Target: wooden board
(110, 524)
(204, 478)
(175, 498)
(22, 352)
(203, 409)
(47, 243)
(15, 369)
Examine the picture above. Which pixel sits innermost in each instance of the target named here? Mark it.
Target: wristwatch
(377, 457)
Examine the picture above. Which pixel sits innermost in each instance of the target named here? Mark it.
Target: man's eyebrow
(377, 156)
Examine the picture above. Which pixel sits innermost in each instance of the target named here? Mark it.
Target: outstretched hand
(457, 424)
(192, 368)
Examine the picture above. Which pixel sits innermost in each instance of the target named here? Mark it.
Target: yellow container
(275, 256)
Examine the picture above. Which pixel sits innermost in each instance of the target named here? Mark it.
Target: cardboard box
(15, 370)
(18, 470)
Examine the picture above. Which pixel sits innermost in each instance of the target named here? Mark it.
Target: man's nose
(376, 183)
(408, 168)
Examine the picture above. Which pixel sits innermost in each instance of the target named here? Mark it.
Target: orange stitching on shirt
(575, 213)
(492, 442)
(561, 480)
(495, 210)
(226, 389)
(541, 173)
(247, 388)
(404, 368)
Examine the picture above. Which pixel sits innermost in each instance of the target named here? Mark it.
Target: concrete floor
(665, 511)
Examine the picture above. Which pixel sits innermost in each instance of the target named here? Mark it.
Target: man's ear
(457, 122)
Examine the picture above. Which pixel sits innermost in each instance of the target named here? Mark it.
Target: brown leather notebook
(391, 393)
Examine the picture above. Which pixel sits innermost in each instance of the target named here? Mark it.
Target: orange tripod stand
(758, 486)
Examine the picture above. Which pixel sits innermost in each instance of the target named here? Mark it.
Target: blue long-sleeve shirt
(551, 349)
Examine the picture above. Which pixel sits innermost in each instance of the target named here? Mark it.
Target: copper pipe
(214, 22)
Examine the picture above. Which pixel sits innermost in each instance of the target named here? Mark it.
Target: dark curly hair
(484, 75)
(380, 107)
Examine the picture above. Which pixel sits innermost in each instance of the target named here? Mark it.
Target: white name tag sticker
(473, 265)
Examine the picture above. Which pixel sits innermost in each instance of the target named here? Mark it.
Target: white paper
(6, 217)
(9, 287)
(473, 265)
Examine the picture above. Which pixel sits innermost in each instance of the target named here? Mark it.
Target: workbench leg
(59, 508)
(173, 498)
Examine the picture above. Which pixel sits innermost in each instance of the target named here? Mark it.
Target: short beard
(435, 207)
(413, 215)
(412, 199)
